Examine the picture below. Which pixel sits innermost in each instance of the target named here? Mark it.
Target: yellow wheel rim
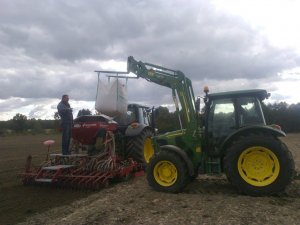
(258, 166)
(148, 150)
(165, 173)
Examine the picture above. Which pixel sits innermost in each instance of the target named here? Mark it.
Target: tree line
(283, 114)
(20, 123)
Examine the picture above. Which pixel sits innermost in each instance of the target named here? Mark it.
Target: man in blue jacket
(66, 116)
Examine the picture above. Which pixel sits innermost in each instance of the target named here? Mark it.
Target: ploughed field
(207, 200)
(17, 201)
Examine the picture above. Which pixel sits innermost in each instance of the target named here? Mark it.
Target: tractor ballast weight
(229, 136)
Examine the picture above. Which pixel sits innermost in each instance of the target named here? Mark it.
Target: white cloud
(277, 20)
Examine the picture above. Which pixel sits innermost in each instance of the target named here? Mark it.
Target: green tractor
(228, 136)
(132, 133)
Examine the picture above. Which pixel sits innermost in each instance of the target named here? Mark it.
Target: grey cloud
(196, 38)
(141, 91)
(15, 103)
(43, 45)
(11, 104)
(42, 81)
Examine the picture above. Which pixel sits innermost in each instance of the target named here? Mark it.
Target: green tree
(165, 121)
(284, 115)
(56, 121)
(36, 126)
(19, 122)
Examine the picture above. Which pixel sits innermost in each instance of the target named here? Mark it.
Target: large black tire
(140, 147)
(259, 165)
(167, 172)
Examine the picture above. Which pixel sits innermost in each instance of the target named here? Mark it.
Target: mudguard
(136, 129)
(252, 129)
(182, 154)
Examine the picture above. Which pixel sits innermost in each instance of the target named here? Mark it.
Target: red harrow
(81, 170)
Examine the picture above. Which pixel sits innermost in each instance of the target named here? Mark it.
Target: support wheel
(259, 165)
(140, 147)
(167, 172)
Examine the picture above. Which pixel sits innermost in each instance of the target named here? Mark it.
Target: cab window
(249, 111)
(146, 117)
(126, 119)
(222, 118)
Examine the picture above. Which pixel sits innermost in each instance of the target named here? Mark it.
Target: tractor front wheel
(259, 165)
(167, 172)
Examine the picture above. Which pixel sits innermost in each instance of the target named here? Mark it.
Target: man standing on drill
(66, 115)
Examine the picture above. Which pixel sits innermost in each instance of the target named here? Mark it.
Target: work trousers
(66, 137)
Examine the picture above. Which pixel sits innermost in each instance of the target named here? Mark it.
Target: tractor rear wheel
(167, 172)
(140, 147)
(259, 165)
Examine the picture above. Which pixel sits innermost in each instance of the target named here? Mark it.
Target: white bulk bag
(111, 98)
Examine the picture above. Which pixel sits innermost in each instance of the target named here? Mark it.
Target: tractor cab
(135, 114)
(228, 112)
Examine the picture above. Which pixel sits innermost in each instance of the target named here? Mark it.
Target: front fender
(182, 154)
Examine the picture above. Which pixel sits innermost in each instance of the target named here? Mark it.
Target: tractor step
(57, 167)
(44, 180)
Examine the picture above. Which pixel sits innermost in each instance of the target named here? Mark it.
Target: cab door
(221, 122)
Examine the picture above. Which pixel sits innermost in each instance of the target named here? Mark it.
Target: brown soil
(207, 200)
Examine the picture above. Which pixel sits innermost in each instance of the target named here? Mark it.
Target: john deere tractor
(228, 136)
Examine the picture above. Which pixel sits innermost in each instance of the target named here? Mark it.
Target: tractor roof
(137, 105)
(259, 93)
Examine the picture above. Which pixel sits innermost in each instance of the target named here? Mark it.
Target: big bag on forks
(112, 98)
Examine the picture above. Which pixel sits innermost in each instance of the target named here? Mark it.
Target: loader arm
(181, 87)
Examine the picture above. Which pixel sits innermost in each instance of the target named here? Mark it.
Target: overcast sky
(48, 48)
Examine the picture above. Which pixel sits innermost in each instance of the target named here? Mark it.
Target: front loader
(229, 136)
